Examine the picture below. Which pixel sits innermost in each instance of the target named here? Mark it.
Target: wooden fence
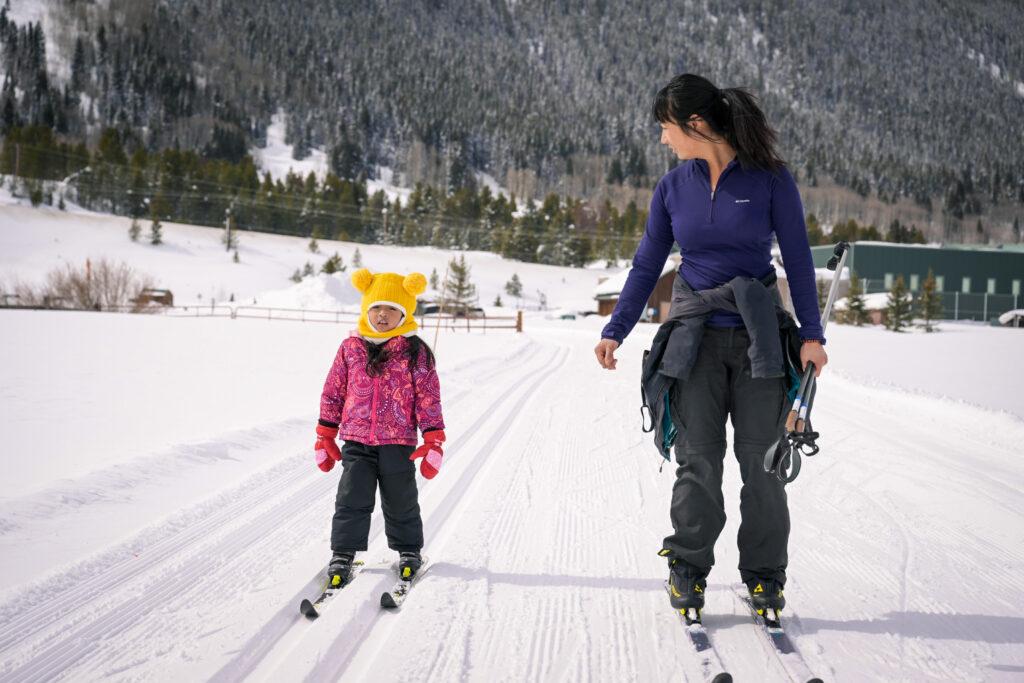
(215, 310)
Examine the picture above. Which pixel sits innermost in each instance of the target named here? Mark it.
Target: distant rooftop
(1013, 248)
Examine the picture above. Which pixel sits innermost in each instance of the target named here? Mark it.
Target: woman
(722, 206)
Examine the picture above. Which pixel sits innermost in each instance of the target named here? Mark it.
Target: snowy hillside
(193, 263)
(161, 515)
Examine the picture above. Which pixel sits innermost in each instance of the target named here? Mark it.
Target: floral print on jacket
(382, 409)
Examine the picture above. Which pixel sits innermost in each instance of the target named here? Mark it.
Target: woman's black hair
(377, 355)
(732, 113)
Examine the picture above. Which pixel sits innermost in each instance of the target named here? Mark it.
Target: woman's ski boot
(767, 599)
(686, 587)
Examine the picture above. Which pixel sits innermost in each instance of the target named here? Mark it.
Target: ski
(769, 624)
(709, 661)
(311, 609)
(394, 598)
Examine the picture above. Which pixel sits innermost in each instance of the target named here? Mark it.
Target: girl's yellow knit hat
(390, 289)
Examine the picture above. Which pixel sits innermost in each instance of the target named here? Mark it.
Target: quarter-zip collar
(705, 174)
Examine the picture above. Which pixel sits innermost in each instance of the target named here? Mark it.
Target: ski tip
(722, 678)
(308, 610)
(387, 601)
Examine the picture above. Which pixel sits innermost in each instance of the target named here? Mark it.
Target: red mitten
(326, 449)
(431, 451)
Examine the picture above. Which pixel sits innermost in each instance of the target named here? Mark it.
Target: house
(155, 296)
(607, 292)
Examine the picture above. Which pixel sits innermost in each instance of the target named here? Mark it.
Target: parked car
(469, 312)
(427, 308)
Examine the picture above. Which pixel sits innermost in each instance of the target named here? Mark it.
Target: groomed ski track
(543, 527)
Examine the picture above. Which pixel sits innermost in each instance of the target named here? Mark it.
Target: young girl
(381, 387)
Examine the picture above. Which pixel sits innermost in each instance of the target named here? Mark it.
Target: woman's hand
(605, 351)
(814, 352)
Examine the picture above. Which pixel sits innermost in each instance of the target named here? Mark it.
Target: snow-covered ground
(161, 514)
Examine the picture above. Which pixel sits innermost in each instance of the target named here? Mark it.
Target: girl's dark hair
(377, 355)
(732, 113)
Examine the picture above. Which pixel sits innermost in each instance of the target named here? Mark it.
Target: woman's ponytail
(747, 130)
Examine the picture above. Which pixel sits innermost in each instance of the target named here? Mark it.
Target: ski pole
(797, 414)
(782, 458)
(836, 263)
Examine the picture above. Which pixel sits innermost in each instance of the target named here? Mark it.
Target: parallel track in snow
(71, 624)
(333, 665)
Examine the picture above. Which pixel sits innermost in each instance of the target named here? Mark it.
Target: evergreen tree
(856, 308)
(822, 288)
(497, 301)
(296, 276)
(929, 305)
(1016, 229)
(155, 232)
(514, 287)
(434, 279)
(615, 174)
(235, 257)
(459, 292)
(357, 259)
(333, 265)
(898, 308)
(815, 235)
(314, 247)
(134, 230)
(308, 269)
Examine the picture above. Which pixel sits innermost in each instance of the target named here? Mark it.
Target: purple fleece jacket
(721, 235)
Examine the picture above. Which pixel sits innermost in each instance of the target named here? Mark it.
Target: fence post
(984, 309)
(519, 321)
(956, 305)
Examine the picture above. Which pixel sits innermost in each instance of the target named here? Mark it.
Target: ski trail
(547, 566)
(276, 634)
(920, 502)
(336, 658)
(67, 628)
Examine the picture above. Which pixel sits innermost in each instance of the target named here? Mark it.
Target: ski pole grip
(837, 254)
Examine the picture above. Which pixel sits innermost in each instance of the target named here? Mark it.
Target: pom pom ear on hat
(415, 283)
(362, 279)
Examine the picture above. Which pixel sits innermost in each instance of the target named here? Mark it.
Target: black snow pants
(720, 386)
(363, 468)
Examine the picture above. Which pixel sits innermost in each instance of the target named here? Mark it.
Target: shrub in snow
(105, 285)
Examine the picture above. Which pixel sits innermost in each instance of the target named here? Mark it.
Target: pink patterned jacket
(385, 409)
